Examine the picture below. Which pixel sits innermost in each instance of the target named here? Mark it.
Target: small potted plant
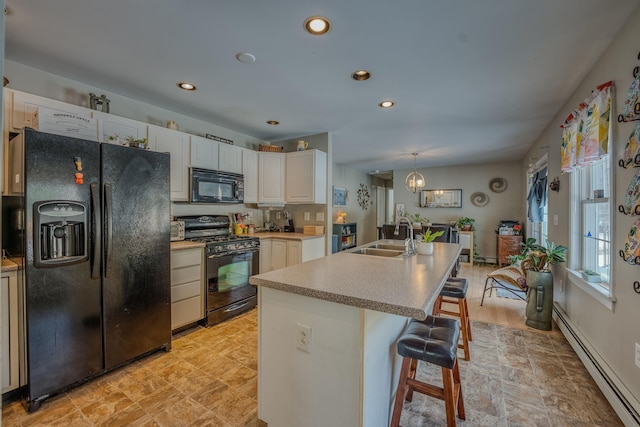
(590, 275)
(416, 220)
(424, 245)
(137, 143)
(465, 223)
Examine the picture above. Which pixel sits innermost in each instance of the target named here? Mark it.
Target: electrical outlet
(303, 337)
(638, 355)
(319, 216)
(278, 215)
(306, 216)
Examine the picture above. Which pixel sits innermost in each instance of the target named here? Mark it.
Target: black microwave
(209, 186)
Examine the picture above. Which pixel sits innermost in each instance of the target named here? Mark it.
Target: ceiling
(473, 81)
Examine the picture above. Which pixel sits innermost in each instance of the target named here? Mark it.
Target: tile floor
(209, 378)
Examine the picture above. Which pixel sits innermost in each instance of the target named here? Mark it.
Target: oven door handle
(233, 253)
(237, 306)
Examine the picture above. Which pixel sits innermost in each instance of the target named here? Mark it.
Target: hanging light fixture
(414, 181)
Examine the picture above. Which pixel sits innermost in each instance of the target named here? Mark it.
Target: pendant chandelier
(414, 181)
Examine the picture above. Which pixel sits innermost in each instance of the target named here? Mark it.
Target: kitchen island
(327, 334)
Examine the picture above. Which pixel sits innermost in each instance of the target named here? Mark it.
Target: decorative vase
(424, 248)
(539, 299)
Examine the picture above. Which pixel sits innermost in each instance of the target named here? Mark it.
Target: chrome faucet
(409, 243)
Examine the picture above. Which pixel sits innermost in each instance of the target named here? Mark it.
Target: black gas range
(231, 260)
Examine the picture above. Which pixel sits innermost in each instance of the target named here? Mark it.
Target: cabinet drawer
(185, 274)
(186, 257)
(510, 245)
(186, 311)
(186, 290)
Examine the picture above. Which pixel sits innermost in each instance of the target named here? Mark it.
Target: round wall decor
(498, 185)
(363, 196)
(479, 199)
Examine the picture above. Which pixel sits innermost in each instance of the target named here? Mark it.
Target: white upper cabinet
(271, 170)
(48, 115)
(306, 177)
(116, 130)
(177, 145)
(250, 172)
(204, 153)
(230, 158)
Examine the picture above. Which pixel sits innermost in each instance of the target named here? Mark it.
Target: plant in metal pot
(425, 244)
(540, 283)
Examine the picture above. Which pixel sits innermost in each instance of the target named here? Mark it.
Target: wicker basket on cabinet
(271, 148)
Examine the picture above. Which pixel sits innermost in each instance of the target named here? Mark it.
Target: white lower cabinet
(187, 286)
(176, 144)
(265, 256)
(285, 253)
(10, 332)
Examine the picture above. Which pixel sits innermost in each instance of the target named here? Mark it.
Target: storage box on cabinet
(187, 286)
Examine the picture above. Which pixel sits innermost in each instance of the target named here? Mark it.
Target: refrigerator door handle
(96, 231)
(108, 211)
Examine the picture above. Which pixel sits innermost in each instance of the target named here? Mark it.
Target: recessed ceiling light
(273, 122)
(245, 57)
(361, 75)
(317, 25)
(386, 104)
(186, 86)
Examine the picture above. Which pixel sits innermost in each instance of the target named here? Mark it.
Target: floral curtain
(585, 133)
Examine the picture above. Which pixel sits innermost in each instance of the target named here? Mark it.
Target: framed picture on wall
(339, 197)
(400, 211)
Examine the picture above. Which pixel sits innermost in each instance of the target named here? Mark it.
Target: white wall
(470, 178)
(612, 333)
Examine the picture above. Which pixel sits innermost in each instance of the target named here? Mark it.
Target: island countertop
(403, 286)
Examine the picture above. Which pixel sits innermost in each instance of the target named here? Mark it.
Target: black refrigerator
(97, 261)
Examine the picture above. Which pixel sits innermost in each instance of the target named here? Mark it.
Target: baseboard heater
(619, 397)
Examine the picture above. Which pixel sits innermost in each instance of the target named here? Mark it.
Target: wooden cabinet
(345, 236)
(9, 311)
(204, 153)
(187, 286)
(466, 240)
(306, 177)
(229, 158)
(250, 172)
(508, 245)
(177, 145)
(115, 130)
(271, 173)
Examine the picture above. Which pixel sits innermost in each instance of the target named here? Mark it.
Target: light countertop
(286, 236)
(185, 244)
(11, 264)
(402, 286)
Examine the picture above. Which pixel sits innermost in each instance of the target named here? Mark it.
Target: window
(591, 221)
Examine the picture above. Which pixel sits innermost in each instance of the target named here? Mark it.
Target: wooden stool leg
(437, 306)
(449, 396)
(458, 385)
(412, 375)
(463, 330)
(466, 312)
(402, 387)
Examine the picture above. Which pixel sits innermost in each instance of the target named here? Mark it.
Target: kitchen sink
(379, 251)
(387, 246)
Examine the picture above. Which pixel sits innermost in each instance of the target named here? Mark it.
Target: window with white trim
(591, 220)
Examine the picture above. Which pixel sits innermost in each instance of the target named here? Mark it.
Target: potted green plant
(540, 283)
(465, 223)
(137, 142)
(416, 220)
(590, 275)
(424, 245)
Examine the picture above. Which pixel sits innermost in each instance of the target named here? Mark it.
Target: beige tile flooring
(517, 376)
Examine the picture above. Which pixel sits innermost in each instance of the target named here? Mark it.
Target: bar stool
(434, 340)
(455, 292)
